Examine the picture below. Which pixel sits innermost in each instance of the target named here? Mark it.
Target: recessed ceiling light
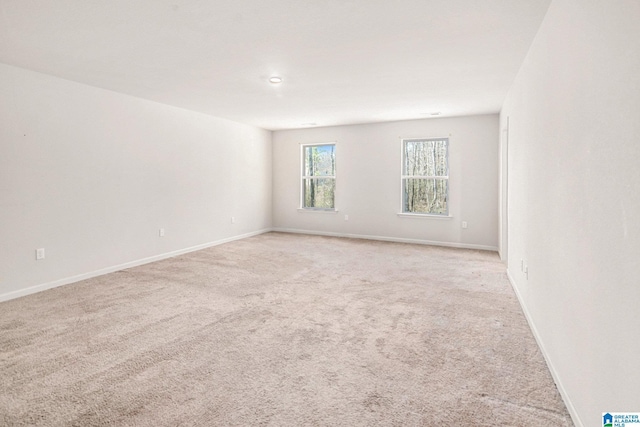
(275, 80)
(310, 124)
(437, 113)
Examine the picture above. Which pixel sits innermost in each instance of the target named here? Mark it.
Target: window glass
(318, 176)
(425, 176)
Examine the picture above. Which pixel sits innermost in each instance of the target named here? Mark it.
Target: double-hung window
(318, 176)
(425, 176)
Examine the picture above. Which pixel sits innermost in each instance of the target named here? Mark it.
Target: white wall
(368, 161)
(91, 175)
(503, 217)
(574, 200)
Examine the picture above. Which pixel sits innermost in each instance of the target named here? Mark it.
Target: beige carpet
(280, 330)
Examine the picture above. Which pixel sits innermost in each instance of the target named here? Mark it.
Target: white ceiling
(342, 61)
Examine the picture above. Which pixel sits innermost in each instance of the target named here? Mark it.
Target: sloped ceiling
(341, 61)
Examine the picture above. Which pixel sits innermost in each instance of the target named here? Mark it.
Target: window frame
(303, 177)
(403, 177)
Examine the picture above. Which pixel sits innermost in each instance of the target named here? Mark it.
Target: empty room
(319, 213)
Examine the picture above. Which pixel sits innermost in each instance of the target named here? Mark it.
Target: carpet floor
(280, 330)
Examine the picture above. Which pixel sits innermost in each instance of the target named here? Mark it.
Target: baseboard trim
(66, 281)
(556, 378)
(388, 239)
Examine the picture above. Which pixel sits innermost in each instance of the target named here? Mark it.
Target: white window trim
(424, 216)
(401, 213)
(318, 210)
(301, 207)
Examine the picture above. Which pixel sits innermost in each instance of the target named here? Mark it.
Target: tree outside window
(318, 176)
(425, 176)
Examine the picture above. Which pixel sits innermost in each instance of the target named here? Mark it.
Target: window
(318, 176)
(425, 176)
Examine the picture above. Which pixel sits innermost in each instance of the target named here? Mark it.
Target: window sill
(429, 216)
(320, 211)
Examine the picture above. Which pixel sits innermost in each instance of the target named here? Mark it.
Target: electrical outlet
(346, 217)
(233, 220)
(40, 254)
(161, 232)
(464, 224)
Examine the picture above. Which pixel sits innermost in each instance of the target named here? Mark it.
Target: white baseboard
(556, 378)
(61, 282)
(388, 239)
